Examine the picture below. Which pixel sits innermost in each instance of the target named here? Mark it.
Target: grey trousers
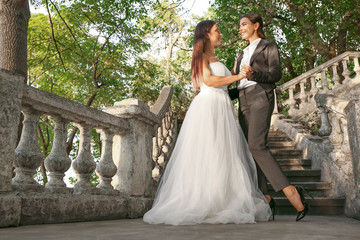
(255, 109)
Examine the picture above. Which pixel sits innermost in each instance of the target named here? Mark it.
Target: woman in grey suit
(256, 104)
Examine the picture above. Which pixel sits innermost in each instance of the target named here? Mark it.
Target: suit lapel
(260, 47)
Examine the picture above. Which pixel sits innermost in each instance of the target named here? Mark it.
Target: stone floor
(284, 227)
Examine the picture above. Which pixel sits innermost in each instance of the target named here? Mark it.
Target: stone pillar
(11, 87)
(353, 116)
(10, 102)
(132, 152)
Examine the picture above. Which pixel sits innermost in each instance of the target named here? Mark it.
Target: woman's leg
(292, 194)
(261, 107)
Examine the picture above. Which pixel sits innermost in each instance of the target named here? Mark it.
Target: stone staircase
(299, 172)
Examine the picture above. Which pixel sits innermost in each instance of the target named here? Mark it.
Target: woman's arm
(216, 81)
(274, 73)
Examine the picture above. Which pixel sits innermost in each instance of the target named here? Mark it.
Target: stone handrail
(302, 89)
(51, 104)
(126, 185)
(163, 102)
(340, 123)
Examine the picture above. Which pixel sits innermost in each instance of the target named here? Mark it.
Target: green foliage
(308, 33)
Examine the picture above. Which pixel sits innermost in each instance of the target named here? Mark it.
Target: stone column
(10, 102)
(132, 152)
(11, 87)
(353, 116)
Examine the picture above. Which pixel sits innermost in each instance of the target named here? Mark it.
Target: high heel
(302, 214)
(272, 205)
(302, 193)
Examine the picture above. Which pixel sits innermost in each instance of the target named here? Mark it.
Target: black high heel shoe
(272, 205)
(302, 193)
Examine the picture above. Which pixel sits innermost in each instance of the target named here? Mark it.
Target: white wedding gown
(211, 175)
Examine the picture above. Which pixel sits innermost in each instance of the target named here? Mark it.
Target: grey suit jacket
(265, 62)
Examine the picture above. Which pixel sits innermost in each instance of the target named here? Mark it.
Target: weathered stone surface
(10, 209)
(132, 154)
(10, 100)
(138, 206)
(57, 208)
(353, 117)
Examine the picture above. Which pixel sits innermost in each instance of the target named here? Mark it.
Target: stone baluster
(58, 161)
(171, 120)
(314, 90)
(335, 78)
(291, 101)
(276, 108)
(166, 128)
(324, 81)
(106, 168)
(302, 95)
(346, 72)
(356, 66)
(325, 128)
(28, 156)
(84, 164)
(156, 154)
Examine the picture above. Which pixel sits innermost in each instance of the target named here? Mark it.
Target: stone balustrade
(322, 79)
(125, 170)
(340, 130)
(334, 100)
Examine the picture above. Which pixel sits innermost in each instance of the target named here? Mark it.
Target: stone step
(278, 139)
(282, 144)
(276, 134)
(315, 189)
(318, 206)
(294, 164)
(286, 152)
(307, 175)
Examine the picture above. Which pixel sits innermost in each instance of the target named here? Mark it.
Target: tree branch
(53, 34)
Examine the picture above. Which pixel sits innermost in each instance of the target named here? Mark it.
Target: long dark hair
(256, 18)
(201, 30)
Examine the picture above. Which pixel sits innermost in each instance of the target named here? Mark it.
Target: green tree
(308, 32)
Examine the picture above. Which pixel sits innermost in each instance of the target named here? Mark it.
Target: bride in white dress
(211, 175)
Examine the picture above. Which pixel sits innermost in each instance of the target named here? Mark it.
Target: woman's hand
(245, 71)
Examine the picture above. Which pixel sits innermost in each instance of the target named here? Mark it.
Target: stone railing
(340, 134)
(335, 147)
(322, 79)
(126, 186)
(163, 143)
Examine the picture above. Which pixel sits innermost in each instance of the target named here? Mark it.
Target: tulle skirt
(211, 175)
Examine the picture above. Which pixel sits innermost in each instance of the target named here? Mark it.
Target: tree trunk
(14, 19)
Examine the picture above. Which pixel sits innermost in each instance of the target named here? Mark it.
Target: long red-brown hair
(201, 30)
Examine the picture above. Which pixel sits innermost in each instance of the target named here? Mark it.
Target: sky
(200, 6)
